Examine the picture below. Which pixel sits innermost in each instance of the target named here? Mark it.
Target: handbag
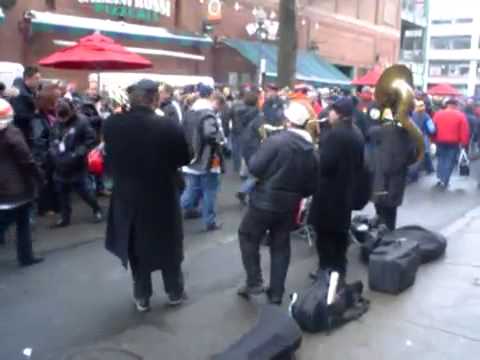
(464, 164)
(95, 162)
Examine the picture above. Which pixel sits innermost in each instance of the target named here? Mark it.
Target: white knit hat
(6, 114)
(297, 113)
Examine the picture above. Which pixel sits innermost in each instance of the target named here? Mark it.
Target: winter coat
(452, 127)
(241, 115)
(24, 106)
(41, 134)
(273, 111)
(144, 152)
(341, 164)
(251, 138)
(286, 169)
(20, 176)
(76, 138)
(204, 136)
(393, 151)
(170, 111)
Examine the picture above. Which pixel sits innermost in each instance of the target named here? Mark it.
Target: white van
(9, 71)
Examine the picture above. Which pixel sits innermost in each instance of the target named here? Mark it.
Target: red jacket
(452, 127)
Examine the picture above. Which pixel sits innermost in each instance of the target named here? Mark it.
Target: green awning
(310, 67)
(2, 17)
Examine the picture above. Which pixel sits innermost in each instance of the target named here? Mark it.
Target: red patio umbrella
(95, 52)
(443, 90)
(369, 79)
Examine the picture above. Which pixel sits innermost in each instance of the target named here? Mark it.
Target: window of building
(442, 22)
(451, 42)
(449, 69)
(464, 21)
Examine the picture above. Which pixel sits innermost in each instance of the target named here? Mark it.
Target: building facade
(454, 45)
(353, 35)
(414, 32)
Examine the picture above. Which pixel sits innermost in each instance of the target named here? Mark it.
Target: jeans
(21, 217)
(253, 228)
(204, 187)
(447, 160)
(236, 152)
(82, 189)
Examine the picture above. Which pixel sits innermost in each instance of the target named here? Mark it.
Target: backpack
(309, 307)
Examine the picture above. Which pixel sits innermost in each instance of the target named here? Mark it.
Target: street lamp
(262, 35)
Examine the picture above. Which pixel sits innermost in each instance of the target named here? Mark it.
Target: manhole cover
(103, 354)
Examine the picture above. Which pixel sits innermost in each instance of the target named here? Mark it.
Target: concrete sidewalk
(437, 319)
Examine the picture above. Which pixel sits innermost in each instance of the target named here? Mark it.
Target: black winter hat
(344, 106)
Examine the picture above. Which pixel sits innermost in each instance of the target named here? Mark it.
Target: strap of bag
(464, 160)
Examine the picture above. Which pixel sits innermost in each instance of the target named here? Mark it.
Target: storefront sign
(214, 10)
(147, 10)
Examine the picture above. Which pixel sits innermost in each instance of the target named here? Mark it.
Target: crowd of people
(165, 151)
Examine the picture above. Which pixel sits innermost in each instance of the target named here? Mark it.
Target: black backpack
(309, 308)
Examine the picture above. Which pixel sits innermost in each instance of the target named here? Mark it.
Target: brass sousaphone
(394, 91)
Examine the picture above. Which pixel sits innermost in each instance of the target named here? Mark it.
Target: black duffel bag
(393, 265)
(309, 307)
(276, 336)
(431, 245)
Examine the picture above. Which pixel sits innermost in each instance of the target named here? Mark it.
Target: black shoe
(213, 227)
(177, 299)
(61, 224)
(242, 197)
(192, 214)
(142, 305)
(31, 262)
(274, 299)
(98, 216)
(246, 291)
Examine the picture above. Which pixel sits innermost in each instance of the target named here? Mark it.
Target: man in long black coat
(144, 152)
(341, 162)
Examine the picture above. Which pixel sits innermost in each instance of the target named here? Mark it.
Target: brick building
(353, 35)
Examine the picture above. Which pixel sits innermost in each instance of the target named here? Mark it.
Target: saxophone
(394, 94)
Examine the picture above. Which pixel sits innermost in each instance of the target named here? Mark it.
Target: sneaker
(213, 227)
(242, 197)
(61, 224)
(176, 299)
(246, 291)
(192, 214)
(98, 216)
(31, 262)
(142, 305)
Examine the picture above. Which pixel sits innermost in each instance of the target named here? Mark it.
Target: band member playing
(285, 169)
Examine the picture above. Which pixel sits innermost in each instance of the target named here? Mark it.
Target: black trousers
(387, 215)
(253, 228)
(21, 217)
(332, 249)
(142, 278)
(64, 190)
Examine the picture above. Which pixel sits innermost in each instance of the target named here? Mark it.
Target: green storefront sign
(146, 10)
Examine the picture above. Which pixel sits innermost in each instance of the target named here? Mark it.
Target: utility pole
(287, 49)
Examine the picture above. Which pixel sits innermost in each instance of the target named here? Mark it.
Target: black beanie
(344, 106)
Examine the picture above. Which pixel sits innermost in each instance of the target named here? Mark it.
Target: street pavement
(77, 305)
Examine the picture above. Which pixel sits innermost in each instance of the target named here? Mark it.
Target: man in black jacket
(24, 103)
(341, 163)
(285, 168)
(20, 178)
(145, 227)
(169, 105)
(72, 139)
